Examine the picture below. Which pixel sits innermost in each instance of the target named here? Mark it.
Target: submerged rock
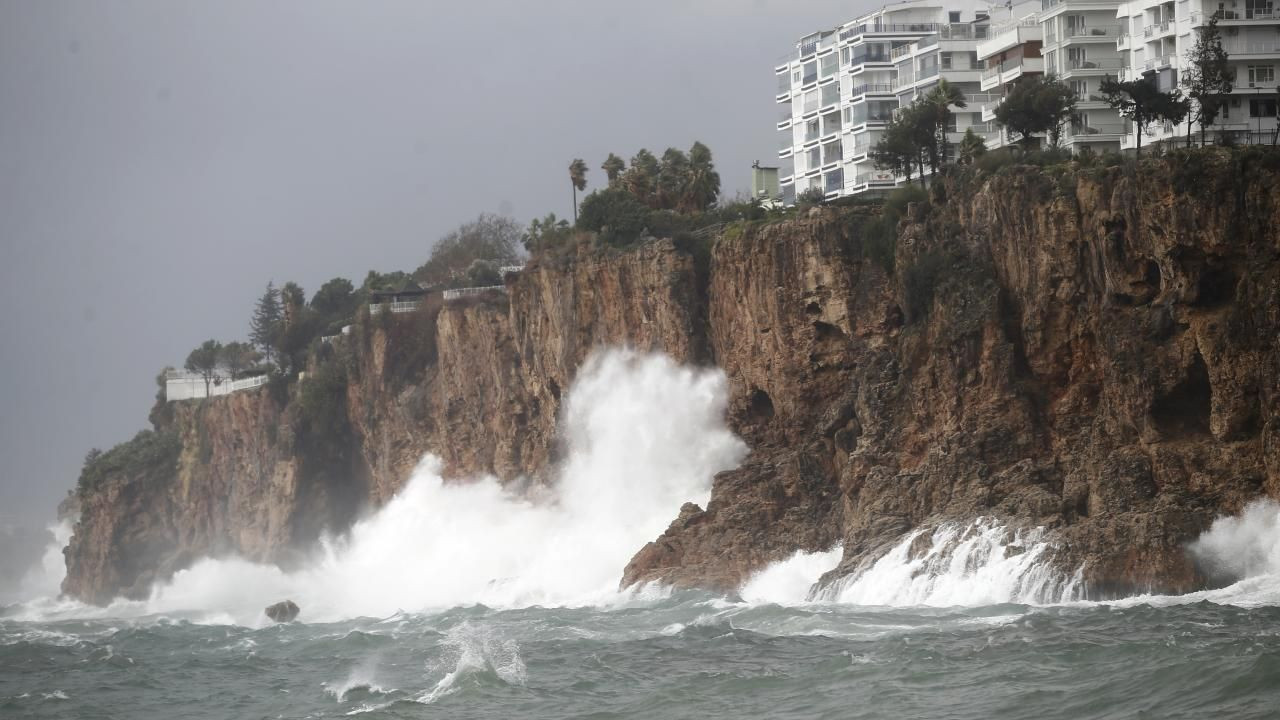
(285, 611)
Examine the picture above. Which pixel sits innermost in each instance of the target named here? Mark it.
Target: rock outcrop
(1093, 351)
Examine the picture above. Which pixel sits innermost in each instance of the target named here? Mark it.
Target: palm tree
(939, 100)
(673, 178)
(641, 178)
(613, 167)
(703, 184)
(577, 176)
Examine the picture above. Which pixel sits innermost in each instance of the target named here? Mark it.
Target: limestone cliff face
(1093, 352)
(237, 485)
(1096, 354)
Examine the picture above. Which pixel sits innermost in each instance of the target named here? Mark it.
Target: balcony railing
(877, 177)
(891, 29)
(1099, 64)
(871, 117)
(471, 291)
(1263, 13)
(991, 72)
(809, 78)
(1265, 47)
(869, 57)
(902, 51)
(963, 31)
(1106, 31)
(872, 89)
(1097, 129)
(1159, 62)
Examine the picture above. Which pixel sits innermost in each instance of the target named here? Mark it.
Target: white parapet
(184, 386)
(465, 292)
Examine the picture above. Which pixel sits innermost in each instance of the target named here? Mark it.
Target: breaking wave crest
(644, 436)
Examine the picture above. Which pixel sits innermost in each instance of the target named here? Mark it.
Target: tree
(546, 233)
(702, 188)
(613, 167)
(1037, 104)
(292, 299)
(1141, 102)
(578, 178)
(488, 237)
(1209, 77)
(972, 147)
(896, 150)
(483, 273)
(335, 303)
(204, 361)
(641, 178)
(616, 215)
(939, 101)
(265, 325)
(237, 357)
(673, 178)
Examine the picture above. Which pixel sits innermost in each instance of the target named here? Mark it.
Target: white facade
(1160, 36)
(840, 87)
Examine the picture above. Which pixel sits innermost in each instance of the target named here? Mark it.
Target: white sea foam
(644, 435)
(1243, 550)
(476, 649)
(981, 563)
(790, 581)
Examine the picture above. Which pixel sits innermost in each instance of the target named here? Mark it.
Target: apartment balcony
(858, 62)
(871, 89)
(1246, 16)
(1261, 50)
(888, 29)
(1102, 34)
(1101, 66)
(1159, 30)
(963, 31)
(1097, 131)
(1011, 70)
(1067, 5)
(990, 78)
(876, 178)
(989, 111)
(1011, 36)
(870, 117)
(1158, 63)
(1122, 41)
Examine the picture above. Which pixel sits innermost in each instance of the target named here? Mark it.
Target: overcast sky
(160, 161)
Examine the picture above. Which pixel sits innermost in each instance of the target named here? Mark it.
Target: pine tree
(265, 326)
(1209, 77)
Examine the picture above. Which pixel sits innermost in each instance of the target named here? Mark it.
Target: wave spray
(644, 435)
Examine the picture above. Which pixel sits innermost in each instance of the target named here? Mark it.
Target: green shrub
(322, 406)
(148, 453)
(616, 216)
(920, 283)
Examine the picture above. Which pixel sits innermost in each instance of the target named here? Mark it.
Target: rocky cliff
(1088, 349)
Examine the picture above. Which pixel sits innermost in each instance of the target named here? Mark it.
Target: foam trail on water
(953, 564)
(644, 434)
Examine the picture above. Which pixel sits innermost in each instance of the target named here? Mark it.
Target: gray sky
(161, 160)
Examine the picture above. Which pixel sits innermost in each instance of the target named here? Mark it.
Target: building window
(953, 16)
(1261, 75)
(1080, 88)
(946, 61)
(1262, 107)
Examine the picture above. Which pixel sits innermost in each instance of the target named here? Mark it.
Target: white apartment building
(1160, 35)
(840, 87)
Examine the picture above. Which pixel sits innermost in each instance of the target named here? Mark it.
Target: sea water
(463, 600)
